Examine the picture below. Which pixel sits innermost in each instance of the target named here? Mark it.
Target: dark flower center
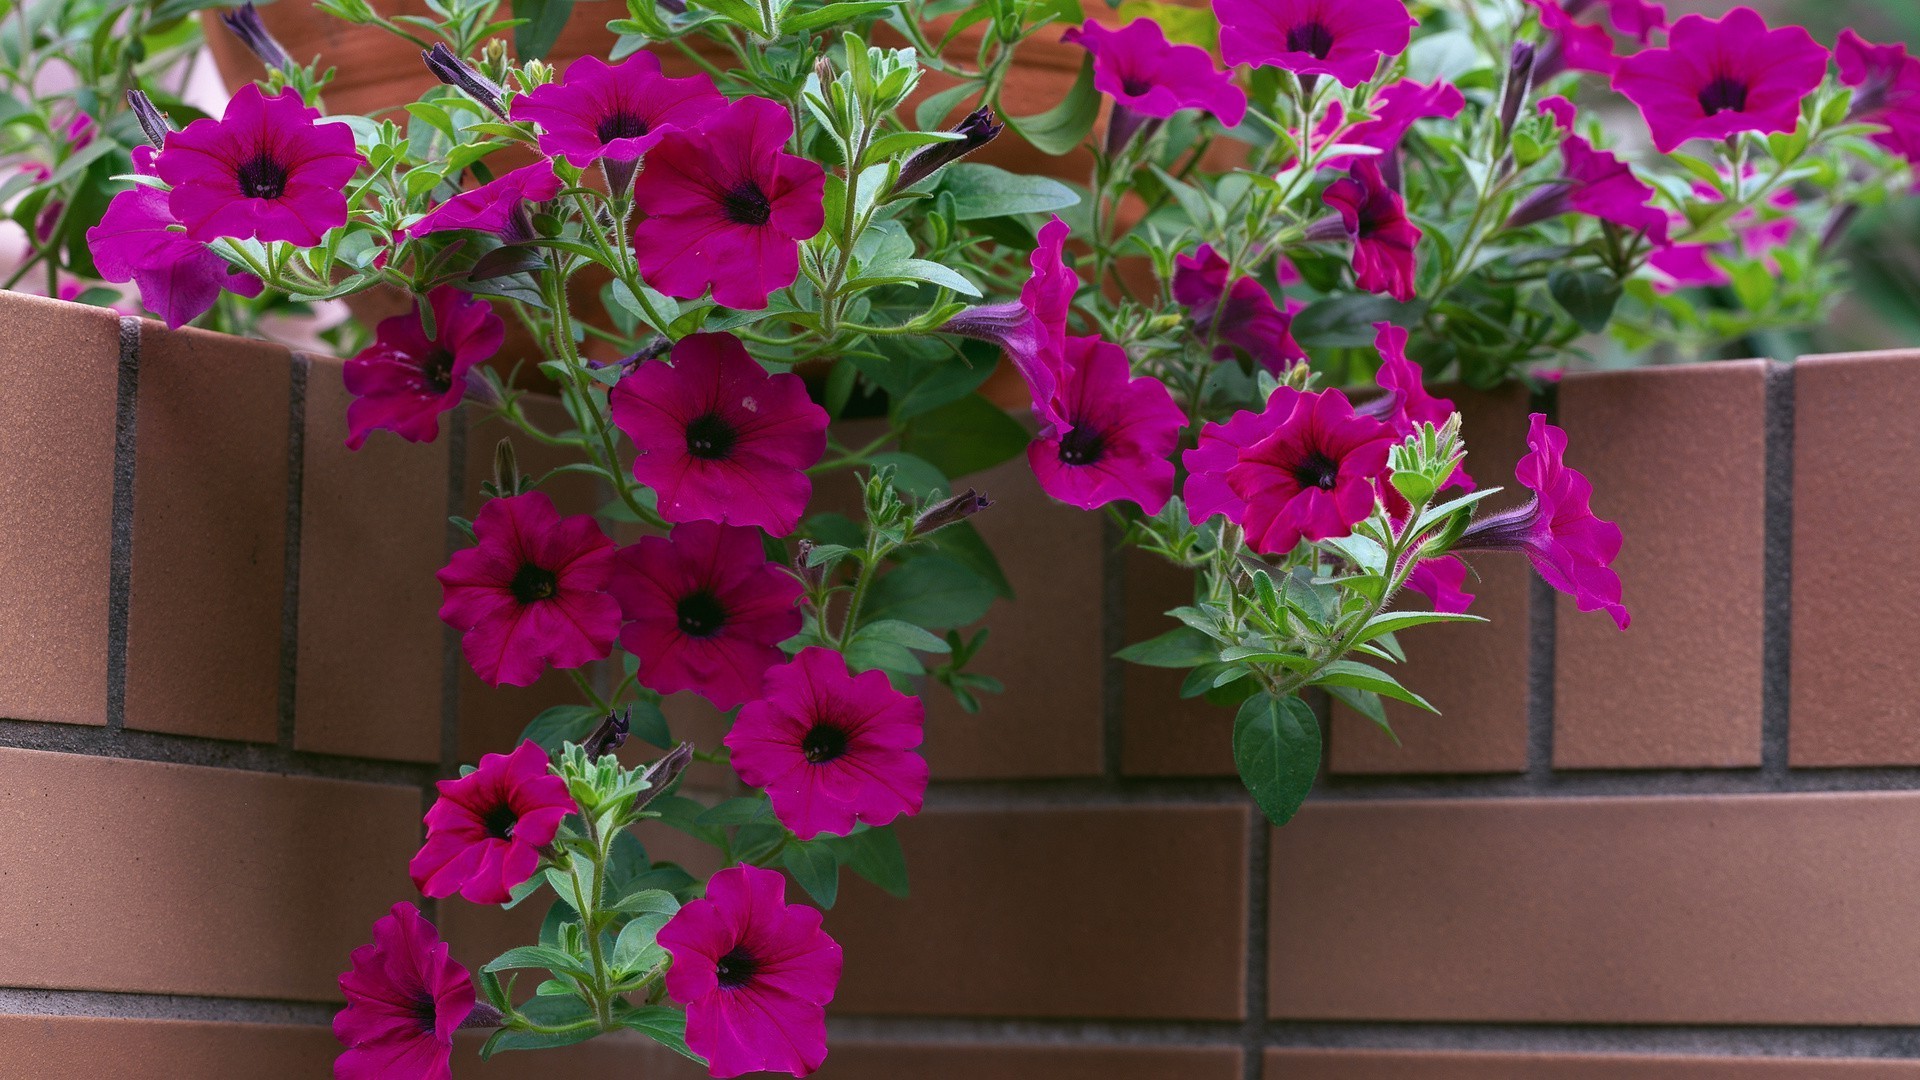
(436, 370)
(736, 969)
(620, 125)
(746, 204)
(1312, 38)
(1136, 85)
(1083, 445)
(700, 614)
(500, 821)
(709, 436)
(1316, 470)
(426, 1011)
(823, 743)
(261, 177)
(1724, 94)
(533, 584)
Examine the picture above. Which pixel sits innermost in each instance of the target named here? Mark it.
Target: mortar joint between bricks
(1777, 578)
(120, 538)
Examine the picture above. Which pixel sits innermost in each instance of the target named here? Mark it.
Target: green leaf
(912, 473)
(552, 1011)
(1181, 647)
(1061, 128)
(934, 109)
(646, 902)
(541, 956)
(985, 191)
(965, 437)
(736, 811)
(545, 19)
(651, 724)
(904, 634)
(1368, 677)
(963, 543)
(929, 590)
(814, 866)
(1393, 621)
(873, 854)
(1276, 748)
(1587, 295)
(799, 22)
(663, 1025)
(561, 724)
(1183, 25)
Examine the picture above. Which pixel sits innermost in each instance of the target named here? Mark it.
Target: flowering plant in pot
(783, 248)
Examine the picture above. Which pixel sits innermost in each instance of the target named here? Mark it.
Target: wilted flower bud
(1519, 84)
(611, 733)
(814, 576)
(661, 774)
(976, 131)
(673, 7)
(448, 69)
(948, 511)
(153, 123)
(482, 1016)
(244, 22)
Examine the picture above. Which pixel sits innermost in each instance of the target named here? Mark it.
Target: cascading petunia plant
(1298, 213)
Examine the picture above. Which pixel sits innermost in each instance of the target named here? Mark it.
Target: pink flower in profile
(1571, 46)
(1595, 183)
(528, 594)
(137, 240)
(830, 747)
(1443, 581)
(405, 998)
(1887, 90)
(726, 206)
(79, 132)
(1557, 530)
(755, 973)
(1406, 404)
(1114, 436)
(718, 438)
(485, 831)
(1147, 74)
(1719, 77)
(268, 169)
(1756, 231)
(1393, 113)
(1637, 19)
(618, 112)
(1341, 38)
(498, 207)
(1244, 315)
(404, 380)
(707, 612)
(1314, 477)
(1033, 332)
(1207, 493)
(1374, 217)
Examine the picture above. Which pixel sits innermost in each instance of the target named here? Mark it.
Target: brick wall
(1686, 851)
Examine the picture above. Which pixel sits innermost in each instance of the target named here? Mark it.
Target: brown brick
(1855, 513)
(1759, 909)
(57, 406)
(1474, 673)
(373, 529)
(174, 879)
(969, 1061)
(87, 1048)
(209, 535)
(1442, 1065)
(1678, 458)
(1047, 644)
(1124, 911)
(1163, 734)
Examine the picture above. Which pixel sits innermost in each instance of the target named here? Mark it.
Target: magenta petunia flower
(1637, 19)
(1887, 90)
(1719, 77)
(1145, 73)
(1443, 581)
(707, 612)
(1032, 333)
(1557, 530)
(266, 170)
(1394, 112)
(755, 973)
(1375, 220)
(727, 207)
(498, 207)
(1114, 436)
(1571, 46)
(485, 831)
(718, 438)
(1679, 266)
(405, 998)
(1593, 182)
(618, 112)
(528, 593)
(1207, 492)
(404, 381)
(830, 747)
(137, 240)
(1314, 477)
(1341, 38)
(1244, 315)
(79, 131)
(1406, 404)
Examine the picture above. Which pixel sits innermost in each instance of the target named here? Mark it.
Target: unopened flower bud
(506, 469)
(673, 7)
(153, 123)
(608, 737)
(1519, 84)
(949, 511)
(244, 22)
(823, 70)
(813, 576)
(449, 69)
(977, 130)
(482, 1016)
(480, 390)
(661, 774)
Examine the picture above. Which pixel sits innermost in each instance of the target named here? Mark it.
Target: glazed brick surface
(1423, 1065)
(90, 1048)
